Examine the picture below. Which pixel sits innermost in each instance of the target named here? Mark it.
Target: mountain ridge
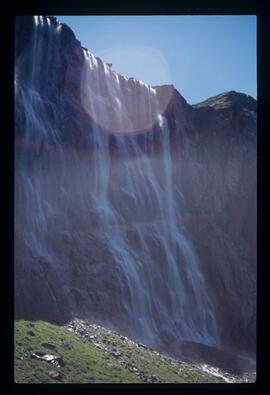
(71, 36)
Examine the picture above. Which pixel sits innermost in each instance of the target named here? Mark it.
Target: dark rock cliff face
(133, 209)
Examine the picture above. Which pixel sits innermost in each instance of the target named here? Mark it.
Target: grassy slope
(86, 363)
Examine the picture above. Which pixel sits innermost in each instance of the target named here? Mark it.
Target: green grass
(150, 364)
(86, 363)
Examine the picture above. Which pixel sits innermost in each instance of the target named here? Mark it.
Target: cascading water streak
(181, 301)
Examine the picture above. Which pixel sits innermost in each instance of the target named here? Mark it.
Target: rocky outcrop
(133, 209)
(227, 365)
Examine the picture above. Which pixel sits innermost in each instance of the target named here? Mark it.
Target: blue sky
(201, 55)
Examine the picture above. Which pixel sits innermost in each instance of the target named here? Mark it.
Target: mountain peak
(228, 99)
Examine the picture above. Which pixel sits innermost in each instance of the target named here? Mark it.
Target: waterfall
(173, 289)
(106, 215)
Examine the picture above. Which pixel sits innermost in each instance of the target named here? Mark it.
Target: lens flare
(103, 96)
